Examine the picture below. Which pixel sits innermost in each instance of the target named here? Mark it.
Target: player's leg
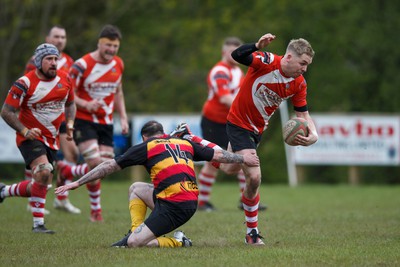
(140, 197)
(42, 176)
(70, 153)
(215, 133)
(87, 138)
(244, 142)
(91, 153)
(251, 201)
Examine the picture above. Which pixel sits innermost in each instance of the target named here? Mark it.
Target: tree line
(169, 46)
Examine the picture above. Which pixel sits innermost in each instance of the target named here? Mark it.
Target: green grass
(304, 226)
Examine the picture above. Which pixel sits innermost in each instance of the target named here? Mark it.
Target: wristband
(24, 132)
(70, 124)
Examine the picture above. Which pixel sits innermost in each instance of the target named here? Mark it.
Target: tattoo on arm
(70, 111)
(228, 157)
(101, 171)
(8, 113)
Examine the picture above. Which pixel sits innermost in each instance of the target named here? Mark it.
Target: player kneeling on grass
(173, 194)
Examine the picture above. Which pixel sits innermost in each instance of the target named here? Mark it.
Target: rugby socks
(206, 182)
(28, 177)
(16, 190)
(94, 195)
(73, 171)
(137, 210)
(250, 207)
(37, 202)
(168, 242)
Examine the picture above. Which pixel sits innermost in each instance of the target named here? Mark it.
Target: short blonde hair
(300, 46)
(234, 41)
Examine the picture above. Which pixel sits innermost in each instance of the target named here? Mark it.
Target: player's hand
(251, 159)
(124, 126)
(70, 130)
(93, 105)
(306, 140)
(65, 188)
(33, 133)
(265, 40)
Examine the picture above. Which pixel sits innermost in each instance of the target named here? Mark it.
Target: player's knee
(42, 172)
(230, 169)
(253, 180)
(107, 155)
(91, 153)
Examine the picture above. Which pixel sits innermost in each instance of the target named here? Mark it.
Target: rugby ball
(294, 127)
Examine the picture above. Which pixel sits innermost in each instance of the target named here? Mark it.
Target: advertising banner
(353, 140)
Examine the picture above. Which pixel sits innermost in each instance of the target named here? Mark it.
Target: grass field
(304, 226)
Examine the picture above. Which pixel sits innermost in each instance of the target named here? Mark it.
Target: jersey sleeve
(299, 99)
(222, 80)
(76, 71)
(202, 153)
(135, 155)
(16, 93)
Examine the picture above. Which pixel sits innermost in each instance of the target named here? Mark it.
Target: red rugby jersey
(41, 104)
(222, 80)
(262, 91)
(95, 80)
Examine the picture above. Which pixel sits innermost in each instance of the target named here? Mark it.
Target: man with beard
(40, 98)
(57, 36)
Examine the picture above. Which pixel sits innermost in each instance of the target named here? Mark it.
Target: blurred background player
(97, 79)
(57, 36)
(224, 80)
(40, 98)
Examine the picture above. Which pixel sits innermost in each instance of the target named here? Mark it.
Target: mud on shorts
(167, 217)
(32, 149)
(87, 130)
(241, 138)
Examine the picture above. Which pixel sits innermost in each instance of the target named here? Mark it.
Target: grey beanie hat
(42, 51)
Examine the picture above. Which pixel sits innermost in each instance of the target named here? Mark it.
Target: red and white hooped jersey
(41, 104)
(222, 79)
(95, 80)
(263, 90)
(64, 63)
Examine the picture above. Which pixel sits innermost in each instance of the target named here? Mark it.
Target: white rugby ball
(294, 127)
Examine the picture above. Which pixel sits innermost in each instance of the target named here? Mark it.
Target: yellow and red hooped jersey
(170, 163)
(222, 79)
(95, 80)
(263, 89)
(41, 104)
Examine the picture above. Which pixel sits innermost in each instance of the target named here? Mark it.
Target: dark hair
(111, 32)
(55, 26)
(152, 128)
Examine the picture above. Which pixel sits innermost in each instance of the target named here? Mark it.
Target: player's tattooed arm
(101, 171)
(8, 113)
(223, 156)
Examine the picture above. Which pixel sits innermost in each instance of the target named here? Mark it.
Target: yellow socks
(137, 209)
(168, 242)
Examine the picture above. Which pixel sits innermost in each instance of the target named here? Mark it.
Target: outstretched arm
(224, 156)
(243, 54)
(102, 170)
